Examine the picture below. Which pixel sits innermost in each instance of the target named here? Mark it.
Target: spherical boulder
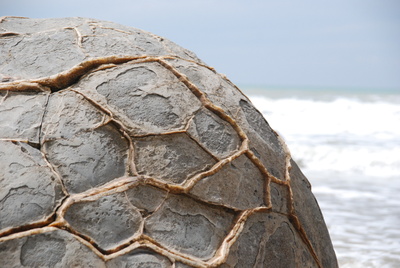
(119, 148)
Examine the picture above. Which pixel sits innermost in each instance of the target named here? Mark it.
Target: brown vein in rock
(42, 119)
(24, 86)
(49, 229)
(152, 244)
(5, 34)
(224, 116)
(202, 146)
(79, 38)
(3, 18)
(65, 79)
(119, 126)
(191, 61)
(115, 186)
(53, 169)
(291, 209)
(183, 131)
(189, 184)
(35, 225)
(114, 29)
(223, 251)
(221, 113)
(69, 77)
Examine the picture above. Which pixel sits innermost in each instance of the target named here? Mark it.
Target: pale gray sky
(338, 43)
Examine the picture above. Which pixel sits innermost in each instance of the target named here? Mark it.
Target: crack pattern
(151, 188)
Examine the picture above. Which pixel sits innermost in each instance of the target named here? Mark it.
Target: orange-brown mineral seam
(119, 148)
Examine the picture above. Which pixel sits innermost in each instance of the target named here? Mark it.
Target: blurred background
(325, 74)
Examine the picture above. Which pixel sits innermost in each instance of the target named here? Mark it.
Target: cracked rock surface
(118, 148)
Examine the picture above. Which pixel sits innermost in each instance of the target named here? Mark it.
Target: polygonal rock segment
(263, 141)
(172, 158)
(269, 240)
(189, 227)
(110, 221)
(146, 198)
(146, 97)
(217, 89)
(29, 26)
(40, 54)
(140, 258)
(216, 135)
(55, 248)
(68, 114)
(239, 185)
(109, 40)
(29, 191)
(6, 44)
(279, 197)
(181, 265)
(21, 115)
(89, 158)
(102, 38)
(310, 216)
(261, 126)
(179, 51)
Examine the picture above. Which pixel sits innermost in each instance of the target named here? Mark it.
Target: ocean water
(347, 143)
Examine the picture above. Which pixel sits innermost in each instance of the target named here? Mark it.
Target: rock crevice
(141, 177)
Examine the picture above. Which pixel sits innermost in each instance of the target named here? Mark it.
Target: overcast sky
(316, 43)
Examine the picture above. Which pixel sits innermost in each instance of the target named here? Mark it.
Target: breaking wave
(352, 135)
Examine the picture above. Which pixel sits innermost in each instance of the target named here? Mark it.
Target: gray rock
(21, 115)
(29, 190)
(50, 248)
(140, 258)
(172, 158)
(188, 226)
(238, 185)
(146, 97)
(70, 121)
(38, 55)
(118, 148)
(309, 215)
(215, 135)
(261, 242)
(109, 221)
(263, 140)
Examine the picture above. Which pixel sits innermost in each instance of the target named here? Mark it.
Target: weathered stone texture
(52, 248)
(146, 97)
(214, 134)
(261, 242)
(29, 190)
(109, 221)
(84, 165)
(308, 211)
(172, 158)
(70, 121)
(140, 259)
(119, 148)
(263, 140)
(40, 54)
(189, 226)
(21, 115)
(238, 185)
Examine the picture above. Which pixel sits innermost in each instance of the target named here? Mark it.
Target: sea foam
(350, 135)
(348, 146)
